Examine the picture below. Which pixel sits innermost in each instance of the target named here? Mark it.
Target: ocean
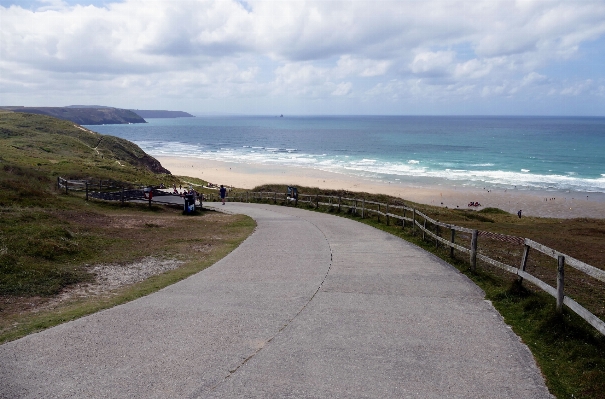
(532, 153)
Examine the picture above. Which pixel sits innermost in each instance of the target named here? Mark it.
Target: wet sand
(532, 203)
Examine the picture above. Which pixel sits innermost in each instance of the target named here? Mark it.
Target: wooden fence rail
(360, 206)
(125, 191)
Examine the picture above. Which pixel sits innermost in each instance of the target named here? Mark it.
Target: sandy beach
(532, 203)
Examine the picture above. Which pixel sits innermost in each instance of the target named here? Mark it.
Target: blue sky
(495, 57)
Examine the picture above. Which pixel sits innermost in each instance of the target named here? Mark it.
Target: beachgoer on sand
(223, 192)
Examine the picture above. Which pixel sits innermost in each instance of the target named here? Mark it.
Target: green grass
(36, 144)
(236, 231)
(50, 239)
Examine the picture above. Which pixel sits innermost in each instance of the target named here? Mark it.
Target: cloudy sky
(307, 57)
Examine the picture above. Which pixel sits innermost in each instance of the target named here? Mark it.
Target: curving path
(309, 306)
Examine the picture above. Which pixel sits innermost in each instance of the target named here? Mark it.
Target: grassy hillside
(34, 149)
(50, 241)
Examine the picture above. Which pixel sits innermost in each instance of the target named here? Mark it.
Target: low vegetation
(51, 243)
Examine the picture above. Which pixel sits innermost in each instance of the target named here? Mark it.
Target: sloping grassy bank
(51, 242)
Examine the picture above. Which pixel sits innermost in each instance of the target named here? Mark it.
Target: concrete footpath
(309, 306)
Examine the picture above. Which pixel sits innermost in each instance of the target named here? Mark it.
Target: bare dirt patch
(111, 276)
(108, 277)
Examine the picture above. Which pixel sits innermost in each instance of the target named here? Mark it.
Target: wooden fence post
(414, 220)
(524, 261)
(403, 220)
(387, 214)
(438, 234)
(560, 283)
(66, 188)
(86, 190)
(58, 183)
(474, 250)
(274, 197)
(424, 229)
(316, 201)
(339, 204)
(452, 238)
(363, 208)
(122, 196)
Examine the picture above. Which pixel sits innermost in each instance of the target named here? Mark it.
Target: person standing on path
(223, 192)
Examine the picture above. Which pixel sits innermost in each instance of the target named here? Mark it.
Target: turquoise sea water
(534, 153)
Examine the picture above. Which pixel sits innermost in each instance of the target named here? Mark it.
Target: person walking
(223, 192)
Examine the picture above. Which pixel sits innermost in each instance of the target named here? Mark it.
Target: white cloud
(343, 89)
(577, 88)
(438, 49)
(348, 65)
(432, 63)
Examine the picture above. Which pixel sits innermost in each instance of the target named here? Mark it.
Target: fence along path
(357, 205)
(419, 220)
(106, 190)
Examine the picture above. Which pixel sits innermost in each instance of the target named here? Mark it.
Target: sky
(406, 57)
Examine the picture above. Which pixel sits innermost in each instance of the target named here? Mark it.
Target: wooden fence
(90, 185)
(429, 227)
(106, 190)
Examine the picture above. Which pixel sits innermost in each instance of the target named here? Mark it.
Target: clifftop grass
(49, 240)
(56, 147)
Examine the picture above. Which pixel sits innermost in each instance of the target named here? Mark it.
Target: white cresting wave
(377, 169)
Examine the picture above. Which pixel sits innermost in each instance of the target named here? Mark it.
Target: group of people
(183, 192)
(475, 204)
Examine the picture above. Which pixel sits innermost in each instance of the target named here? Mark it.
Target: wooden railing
(419, 220)
(109, 190)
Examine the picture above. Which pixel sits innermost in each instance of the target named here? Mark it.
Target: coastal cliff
(85, 116)
(151, 113)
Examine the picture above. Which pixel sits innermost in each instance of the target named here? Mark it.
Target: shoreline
(557, 204)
